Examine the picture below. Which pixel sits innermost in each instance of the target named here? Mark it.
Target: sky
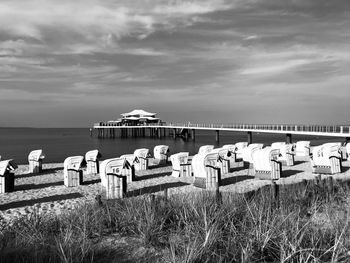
(72, 63)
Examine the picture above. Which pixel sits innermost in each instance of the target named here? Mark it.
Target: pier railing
(244, 127)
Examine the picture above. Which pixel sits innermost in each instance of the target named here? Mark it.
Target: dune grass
(306, 224)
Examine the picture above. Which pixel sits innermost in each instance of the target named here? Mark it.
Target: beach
(45, 193)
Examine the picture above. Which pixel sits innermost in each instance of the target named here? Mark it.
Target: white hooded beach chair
(207, 174)
(240, 146)
(234, 161)
(223, 161)
(160, 153)
(72, 171)
(141, 159)
(247, 152)
(35, 159)
(7, 176)
(205, 149)
(266, 165)
(326, 159)
(302, 148)
(92, 162)
(347, 149)
(181, 166)
(113, 179)
(286, 156)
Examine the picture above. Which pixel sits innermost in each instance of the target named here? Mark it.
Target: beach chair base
(116, 186)
(185, 171)
(73, 178)
(212, 180)
(35, 167)
(274, 174)
(7, 183)
(92, 167)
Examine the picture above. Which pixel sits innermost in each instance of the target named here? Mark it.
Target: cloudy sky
(71, 63)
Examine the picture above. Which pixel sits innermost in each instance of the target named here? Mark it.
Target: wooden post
(276, 193)
(166, 193)
(193, 134)
(217, 136)
(288, 138)
(174, 133)
(250, 137)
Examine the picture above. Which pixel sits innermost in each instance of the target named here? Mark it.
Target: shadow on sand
(40, 200)
(154, 188)
(46, 171)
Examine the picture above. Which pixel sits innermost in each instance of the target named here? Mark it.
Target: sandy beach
(45, 193)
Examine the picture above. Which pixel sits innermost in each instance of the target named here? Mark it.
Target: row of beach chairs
(206, 166)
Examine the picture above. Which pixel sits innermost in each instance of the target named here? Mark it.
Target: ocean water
(59, 143)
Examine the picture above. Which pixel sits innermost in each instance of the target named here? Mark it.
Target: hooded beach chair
(92, 162)
(266, 164)
(205, 149)
(326, 159)
(35, 159)
(160, 153)
(247, 153)
(302, 148)
(286, 156)
(7, 176)
(141, 159)
(72, 171)
(223, 161)
(206, 172)
(233, 155)
(240, 146)
(113, 179)
(181, 166)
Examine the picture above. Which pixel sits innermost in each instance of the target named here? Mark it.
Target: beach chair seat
(72, 171)
(207, 174)
(205, 149)
(240, 146)
(286, 156)
(92, 162)
(326, 159)
(113, 178)
(234, 161)
(181, 166)
(7, 176)
(141, 159)
(302, 148)
(160, 154)
(35, 161)
(247, 153)
(223, 161)
(266, 164)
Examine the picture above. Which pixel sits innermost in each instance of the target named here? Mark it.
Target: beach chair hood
(7, 165)
(93, 155)
(36, 155)
(74, 163)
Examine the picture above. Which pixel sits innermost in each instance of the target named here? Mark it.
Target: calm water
(16, 143)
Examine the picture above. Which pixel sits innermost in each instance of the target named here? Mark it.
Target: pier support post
(159, 134)
(193, 134)
(217, 136)
(288, 138)
(174, 133)
(186, 135)
(250, 137)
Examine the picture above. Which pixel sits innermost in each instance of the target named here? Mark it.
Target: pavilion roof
(138, 112)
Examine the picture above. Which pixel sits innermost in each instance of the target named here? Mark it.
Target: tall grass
(306, 224)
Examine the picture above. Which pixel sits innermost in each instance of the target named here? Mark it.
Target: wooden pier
(188, 130)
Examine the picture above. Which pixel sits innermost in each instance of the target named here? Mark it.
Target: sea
(60, 143)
